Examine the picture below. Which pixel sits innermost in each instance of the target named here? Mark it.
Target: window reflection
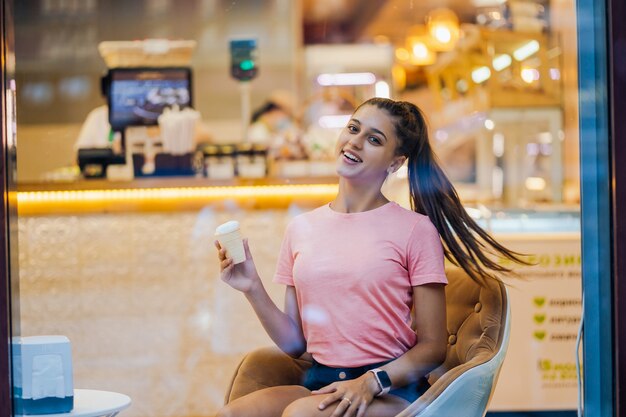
(134, 285)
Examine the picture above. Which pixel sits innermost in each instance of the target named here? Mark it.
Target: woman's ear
(397, 163)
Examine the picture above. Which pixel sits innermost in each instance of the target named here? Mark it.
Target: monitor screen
(137, 96)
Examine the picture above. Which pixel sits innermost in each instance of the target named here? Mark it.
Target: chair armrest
(463, 390)
(266, 367)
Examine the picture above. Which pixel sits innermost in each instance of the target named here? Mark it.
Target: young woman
(360, 270)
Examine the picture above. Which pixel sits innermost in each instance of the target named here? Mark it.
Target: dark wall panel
(617, 39)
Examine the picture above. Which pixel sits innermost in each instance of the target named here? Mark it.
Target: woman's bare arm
(429, 309)
(284, 328)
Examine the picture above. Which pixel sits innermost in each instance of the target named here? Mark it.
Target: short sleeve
(284, 266)
(425, 255)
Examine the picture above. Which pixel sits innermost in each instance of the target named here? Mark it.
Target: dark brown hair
(466, 244)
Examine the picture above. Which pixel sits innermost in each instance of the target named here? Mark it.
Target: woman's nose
(356, 141)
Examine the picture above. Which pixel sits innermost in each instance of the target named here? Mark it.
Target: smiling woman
(383, 259)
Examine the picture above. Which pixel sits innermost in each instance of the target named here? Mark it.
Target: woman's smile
(351, 157)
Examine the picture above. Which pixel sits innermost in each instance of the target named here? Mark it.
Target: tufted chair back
(478, 334)
(478, 328)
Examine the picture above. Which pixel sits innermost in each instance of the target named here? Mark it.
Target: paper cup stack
(178, 129)
(230, 239)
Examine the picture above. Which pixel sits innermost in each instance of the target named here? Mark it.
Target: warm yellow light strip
(91, 200)
(26, 197)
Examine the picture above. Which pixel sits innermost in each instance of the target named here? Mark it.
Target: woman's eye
(352, 128)
(375, 140)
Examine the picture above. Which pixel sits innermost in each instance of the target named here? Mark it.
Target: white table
(93, 403)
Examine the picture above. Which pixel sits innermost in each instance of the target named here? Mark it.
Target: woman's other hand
(352, 397)
(242, 276)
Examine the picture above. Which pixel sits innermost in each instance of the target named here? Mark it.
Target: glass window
(117, 210)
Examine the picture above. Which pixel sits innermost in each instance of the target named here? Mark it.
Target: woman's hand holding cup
(236, 264)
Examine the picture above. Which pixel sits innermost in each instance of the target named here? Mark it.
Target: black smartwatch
(383, 381)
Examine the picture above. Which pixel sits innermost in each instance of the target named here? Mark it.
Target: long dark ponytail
(466, 244)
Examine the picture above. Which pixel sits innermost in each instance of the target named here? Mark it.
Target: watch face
(384, 379)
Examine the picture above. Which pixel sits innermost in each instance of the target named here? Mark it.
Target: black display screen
(137, 96)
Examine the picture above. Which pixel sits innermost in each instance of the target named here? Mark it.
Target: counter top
(168, 182)
(170, 194)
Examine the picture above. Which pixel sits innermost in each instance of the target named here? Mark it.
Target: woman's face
(366, 147)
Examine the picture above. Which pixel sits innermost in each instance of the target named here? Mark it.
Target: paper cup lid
(227, 227)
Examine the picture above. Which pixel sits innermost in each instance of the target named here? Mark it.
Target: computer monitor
(137, 96)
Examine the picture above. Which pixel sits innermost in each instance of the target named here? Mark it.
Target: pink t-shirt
(353, 274)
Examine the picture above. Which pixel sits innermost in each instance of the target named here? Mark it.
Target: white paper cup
(230, 239)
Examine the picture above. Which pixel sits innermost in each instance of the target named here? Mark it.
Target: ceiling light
(526, 50)
(354, 78)
(422, 55)
(481, 74)
(420, 50)
(555, 74)
(418, 42)
(442, 34)
(501, 62)
(443, 26)
(529, 75)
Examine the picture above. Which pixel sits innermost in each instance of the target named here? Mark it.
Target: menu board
(539, 371)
